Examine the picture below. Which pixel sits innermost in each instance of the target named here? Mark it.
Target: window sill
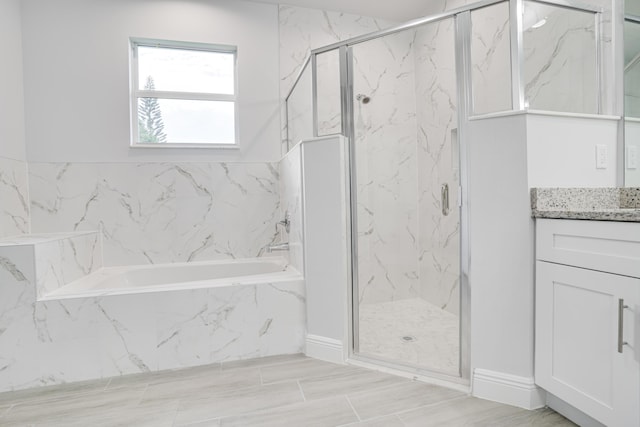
(186, 145)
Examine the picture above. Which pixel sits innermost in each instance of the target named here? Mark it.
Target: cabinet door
(577, 327)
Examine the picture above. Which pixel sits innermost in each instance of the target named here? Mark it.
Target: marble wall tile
(281, 318)
(59, 341)
(302, 30)
(491, 59)
(386, 168)
(61, 261)
(160, 212)
(438, 164)
(291, 201)
(182, 328)
(560, 59)
(14, 198)
(17, 299)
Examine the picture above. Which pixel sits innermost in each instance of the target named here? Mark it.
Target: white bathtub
(177, 276)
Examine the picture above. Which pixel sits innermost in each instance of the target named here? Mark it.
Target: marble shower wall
(438, 164)
(302, 30)
(386, 168)
(291, 201)
(560, 59)
(160, 212)
(14, 198)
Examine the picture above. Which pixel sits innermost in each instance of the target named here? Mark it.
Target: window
(182, 94)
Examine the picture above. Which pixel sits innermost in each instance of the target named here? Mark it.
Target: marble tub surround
(14, 198)
(55, 259)
(160, 212)
(605, 204)
(290, 169)
(69, 340)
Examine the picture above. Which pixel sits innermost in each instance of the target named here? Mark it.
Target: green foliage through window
(150, 124)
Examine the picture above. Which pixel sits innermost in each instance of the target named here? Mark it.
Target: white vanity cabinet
(587, 324)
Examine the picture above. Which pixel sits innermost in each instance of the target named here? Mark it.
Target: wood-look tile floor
(275, 391)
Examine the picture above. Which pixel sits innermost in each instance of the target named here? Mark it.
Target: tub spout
(278, 247)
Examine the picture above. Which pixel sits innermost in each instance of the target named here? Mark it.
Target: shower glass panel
(300, 109)
(491, 59)
(632, 98)
(405, 162)
(632, 69)
(560, 58)
(328, 107)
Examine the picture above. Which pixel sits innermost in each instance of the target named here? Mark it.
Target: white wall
(562, 151)
(325, 245)
(11, 97)
(501, 245)
(14, 197)
(76, 64)
(632, 139)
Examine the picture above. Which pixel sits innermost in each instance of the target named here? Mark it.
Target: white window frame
(137, 93)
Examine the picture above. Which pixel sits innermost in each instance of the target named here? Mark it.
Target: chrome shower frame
(462, 20)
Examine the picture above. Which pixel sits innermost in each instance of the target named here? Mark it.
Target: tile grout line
(352, 408)
(428, 405)
(304, 399)
(8, 409)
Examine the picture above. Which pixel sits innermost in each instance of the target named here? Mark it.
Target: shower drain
(409, 338)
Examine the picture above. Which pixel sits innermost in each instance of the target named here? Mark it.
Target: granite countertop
(599, 204)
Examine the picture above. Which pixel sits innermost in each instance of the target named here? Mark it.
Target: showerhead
(363, 98)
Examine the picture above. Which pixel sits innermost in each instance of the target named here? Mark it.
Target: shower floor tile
(411, 332)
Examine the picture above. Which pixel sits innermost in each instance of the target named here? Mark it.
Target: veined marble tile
(59, 262)
(281, 317)
(127, 333)
(386, 168)
(291, 202)
(555, 55)
(17, 296)
(491, 59)
(14, 198)
(64, 197)
(161, 212)
(303, 29)
(182, 328)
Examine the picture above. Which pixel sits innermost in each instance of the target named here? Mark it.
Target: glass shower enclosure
(403, 97)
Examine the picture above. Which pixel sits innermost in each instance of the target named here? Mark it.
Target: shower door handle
(444, 199)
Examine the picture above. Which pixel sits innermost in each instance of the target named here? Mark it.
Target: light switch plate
(601, 156)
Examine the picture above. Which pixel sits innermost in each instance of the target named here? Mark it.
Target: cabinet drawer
(607, 246)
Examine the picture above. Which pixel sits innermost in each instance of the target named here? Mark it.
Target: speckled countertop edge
(599, 204)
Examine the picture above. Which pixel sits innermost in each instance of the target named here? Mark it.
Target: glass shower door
(406, 223)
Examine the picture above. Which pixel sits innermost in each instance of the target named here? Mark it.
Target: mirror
(632, 93)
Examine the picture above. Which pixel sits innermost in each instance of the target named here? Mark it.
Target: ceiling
(395, 10)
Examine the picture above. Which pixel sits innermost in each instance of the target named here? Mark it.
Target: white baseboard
(509, 389)
(324, 348)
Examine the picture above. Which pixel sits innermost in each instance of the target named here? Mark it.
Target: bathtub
(177, 276)
(125, 320)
